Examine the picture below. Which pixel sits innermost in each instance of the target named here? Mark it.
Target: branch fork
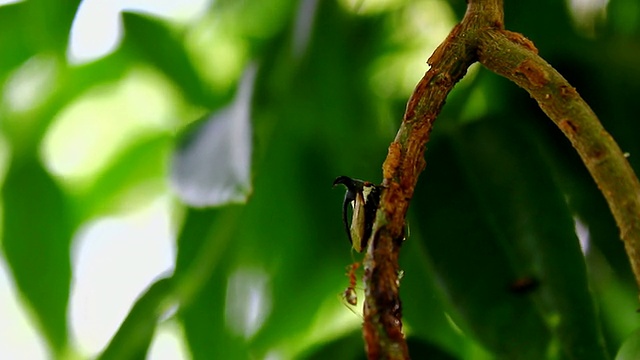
(480, 36)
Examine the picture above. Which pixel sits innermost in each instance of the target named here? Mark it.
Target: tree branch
(405, 161)
(480, 36)
(514, 57)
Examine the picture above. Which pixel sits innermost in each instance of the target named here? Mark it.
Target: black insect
(364, 197)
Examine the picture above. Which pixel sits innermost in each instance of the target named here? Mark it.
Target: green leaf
(200, 279)
(26, 131)
(36, 236)
(495, 199)
(341, 348)
(31, 27)
(13, 41)
(472, 269)
(52, 22)
(423, 307)
(134, 335)
(141, 162)
(624, 17)
(630, 349)
(154, 41)
(425, 350)
(212, 164)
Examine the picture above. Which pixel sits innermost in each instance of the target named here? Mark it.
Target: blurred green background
(166, 174)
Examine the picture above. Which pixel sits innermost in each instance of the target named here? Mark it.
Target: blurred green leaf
(516, 230)
(96, 73)
(31, 27)
(16, 47)
(25, 131)
(143, 161)
(134, 336)
(624, 17)
(341, 348)
(557, 31)
(51, 21)
(475, 273)
(424, 350)
(424, 308)
(211, 166)
(200, 282)
(260, 19)
(36, 237)
(161, 47)
(630, 349)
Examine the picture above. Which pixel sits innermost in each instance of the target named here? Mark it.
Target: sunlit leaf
(142, 162)
(212, 164)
